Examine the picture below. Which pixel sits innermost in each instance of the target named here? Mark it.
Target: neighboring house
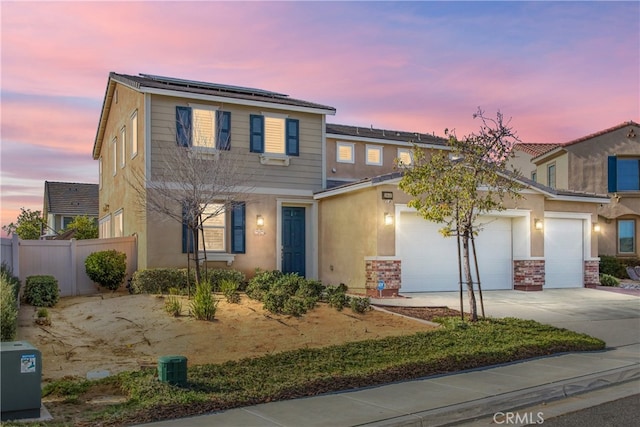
(524, 153)
(606, 162)
(142, 120)
(328, 205)
(63, 201)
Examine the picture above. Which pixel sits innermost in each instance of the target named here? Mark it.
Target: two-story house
(145, 118)
(324, 200)
(608, 163)
(63, 201)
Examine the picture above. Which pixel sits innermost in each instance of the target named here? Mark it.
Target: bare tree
(197, 179)
(455, 187)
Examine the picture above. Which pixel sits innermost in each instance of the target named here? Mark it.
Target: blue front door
(293, 240)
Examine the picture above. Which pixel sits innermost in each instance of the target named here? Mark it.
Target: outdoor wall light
(596, 227)
(259, 221)
(538, 224)
(388, 219)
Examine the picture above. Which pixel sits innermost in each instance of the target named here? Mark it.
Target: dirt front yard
(115, 332)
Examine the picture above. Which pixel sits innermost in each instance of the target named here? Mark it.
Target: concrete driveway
(612, 317)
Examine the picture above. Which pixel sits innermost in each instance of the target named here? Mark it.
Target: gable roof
(148, 83)
(355, 132)
(71, 198)
(560, 147)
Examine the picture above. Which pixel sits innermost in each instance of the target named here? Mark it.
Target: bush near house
(9, 288)
(162, 280)
(617, 266)
(607, 280)
(41, 291)
(107, 268)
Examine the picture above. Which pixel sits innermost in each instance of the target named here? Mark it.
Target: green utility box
(172, 369)
(21, 367)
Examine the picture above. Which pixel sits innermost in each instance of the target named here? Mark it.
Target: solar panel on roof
(205, 85)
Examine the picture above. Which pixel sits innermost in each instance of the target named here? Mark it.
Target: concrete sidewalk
(446, 399)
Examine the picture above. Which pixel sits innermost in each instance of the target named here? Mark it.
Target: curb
(467, 411)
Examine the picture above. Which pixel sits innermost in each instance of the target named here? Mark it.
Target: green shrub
(107, 268)
(229, 289)
(173, 306)
(607, 280)
(41, 291)
(42, 316)
(260, 284)
(13, 281)
(360, 304)
(308, 288)
(204, 305)
(218, 275)
(612, 266)
(160, 281)
(336, 296)
(8, 309)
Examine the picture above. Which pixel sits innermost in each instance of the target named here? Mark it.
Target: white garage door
(563, 253)
(430, 261)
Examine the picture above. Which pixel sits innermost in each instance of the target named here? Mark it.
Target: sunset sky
(560, 70)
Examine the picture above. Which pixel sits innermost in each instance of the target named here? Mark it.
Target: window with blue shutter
(293, 137)
(623, 174)
(238, 226)
(256, 133)
(183, 126)
(223, 140)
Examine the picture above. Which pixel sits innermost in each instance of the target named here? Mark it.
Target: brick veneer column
(528, 275)
(591, 274)
(386, 269)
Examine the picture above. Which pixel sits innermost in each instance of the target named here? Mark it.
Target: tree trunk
(468, 277)
(196, 256)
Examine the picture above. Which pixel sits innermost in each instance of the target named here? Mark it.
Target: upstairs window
(345, 152)
(274, 134)
(623, 174)
(203, 127)
(374, 155)
(114, 155)
(551, 176)
(534, 176)
(405, 157)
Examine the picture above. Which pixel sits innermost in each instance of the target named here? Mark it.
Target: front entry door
(293, 240)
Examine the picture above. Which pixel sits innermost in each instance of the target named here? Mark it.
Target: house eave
(341, 137)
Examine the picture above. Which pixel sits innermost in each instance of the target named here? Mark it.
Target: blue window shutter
(257, 133)
(183, 126)
(293, 137)
(612, 172)
(223, 139)
(238, 226)
(187, 237)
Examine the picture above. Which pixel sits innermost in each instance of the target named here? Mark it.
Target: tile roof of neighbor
(394, 135)
(535, 149)
(214, 89)
(71, 198)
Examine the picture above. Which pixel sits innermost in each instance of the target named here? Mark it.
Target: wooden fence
(64, 260)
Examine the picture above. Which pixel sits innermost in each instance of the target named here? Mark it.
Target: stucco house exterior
(63, 201)
(327, 205)
(605, 162)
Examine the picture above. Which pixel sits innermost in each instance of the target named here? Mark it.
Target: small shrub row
(294, 295)
(204, 305)
(162, 280)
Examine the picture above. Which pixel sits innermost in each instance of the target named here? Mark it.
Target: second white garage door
(563, 253)
(430, 261)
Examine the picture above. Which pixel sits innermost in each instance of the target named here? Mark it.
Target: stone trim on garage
(387, 269)
(591, 273)
(528, 275)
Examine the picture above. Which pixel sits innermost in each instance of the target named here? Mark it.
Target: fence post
(15, 255)
(74, 266)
